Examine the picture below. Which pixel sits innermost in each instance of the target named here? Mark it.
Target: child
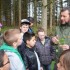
(31, 20)
(64, 60)
(30, 56)
(23, 28)
(12, 39)
(44, 49)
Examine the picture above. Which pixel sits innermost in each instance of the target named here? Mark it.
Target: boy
(44, 49)
(30, 56)
(31, 20)
(23, 28)
(12, 39)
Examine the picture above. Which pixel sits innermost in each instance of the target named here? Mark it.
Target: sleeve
(26, 61)
(15, 62)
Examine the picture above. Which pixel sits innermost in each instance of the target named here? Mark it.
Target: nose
(62, 17)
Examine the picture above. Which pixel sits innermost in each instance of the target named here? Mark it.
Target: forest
(46, 13)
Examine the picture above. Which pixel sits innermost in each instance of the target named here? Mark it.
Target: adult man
(4, 61)
(63, 30)
(62, 38)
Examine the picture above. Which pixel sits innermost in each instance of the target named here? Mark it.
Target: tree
(19, 12)
(44, 15)
(51, 8)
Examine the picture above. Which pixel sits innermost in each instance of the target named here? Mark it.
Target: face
(60, 64)
(41, 35)
(31, 42)
(31, 24)
(6, 63)
(65, 18)
(19, 40)
(24, 28)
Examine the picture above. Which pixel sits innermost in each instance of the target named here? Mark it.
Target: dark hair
(28, 36)
(1, 57)
(25, 23)
(66, 59)
(64, 9)
(30, 19)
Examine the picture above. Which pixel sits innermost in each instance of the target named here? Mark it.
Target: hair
(28, 36)
(40, 30)
(30, 19)
(1, 57)
(64, 9)
(66, 59)
(9, 36)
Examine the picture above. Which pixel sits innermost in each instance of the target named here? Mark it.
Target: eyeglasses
(5, 63)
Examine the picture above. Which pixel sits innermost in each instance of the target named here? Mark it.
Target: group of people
(23, 50)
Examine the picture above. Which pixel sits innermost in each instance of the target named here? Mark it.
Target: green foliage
(4, 28)
(61, 41)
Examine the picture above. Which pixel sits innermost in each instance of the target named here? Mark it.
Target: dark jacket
(45, 52)
(30, 30)
(21, 50)
(30, 59)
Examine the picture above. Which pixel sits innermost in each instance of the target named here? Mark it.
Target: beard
(65, 24)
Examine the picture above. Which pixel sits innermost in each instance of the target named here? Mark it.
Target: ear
(20, 27)
(27, 41)
(14, 44)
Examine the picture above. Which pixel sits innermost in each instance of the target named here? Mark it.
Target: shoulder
(11, 55)
(14, 60)
(47, 38)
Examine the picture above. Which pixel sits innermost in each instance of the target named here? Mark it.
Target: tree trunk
(44, 15)
(51, 8)
(19, 12)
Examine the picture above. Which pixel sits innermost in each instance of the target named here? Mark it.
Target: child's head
(29, 39)
(31, 20)
(41, 34)
(24, 25)
(12, 37)
(64, 60)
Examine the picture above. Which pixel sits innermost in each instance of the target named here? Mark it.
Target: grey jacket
(15, 64)
(45, 52)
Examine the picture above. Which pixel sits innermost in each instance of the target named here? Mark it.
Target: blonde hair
(9, 36)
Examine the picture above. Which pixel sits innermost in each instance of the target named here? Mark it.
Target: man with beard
(62, 38)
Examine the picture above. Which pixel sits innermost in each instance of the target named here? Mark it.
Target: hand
(64, 47)
(55, 40)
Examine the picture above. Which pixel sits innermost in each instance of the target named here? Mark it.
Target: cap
(25, 21)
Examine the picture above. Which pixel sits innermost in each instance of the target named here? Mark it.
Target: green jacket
(63, 33)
